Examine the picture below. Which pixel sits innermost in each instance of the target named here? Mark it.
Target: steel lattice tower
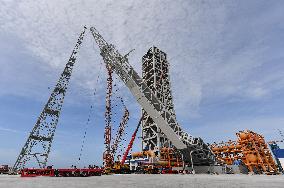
(39, 142)
(155, 73)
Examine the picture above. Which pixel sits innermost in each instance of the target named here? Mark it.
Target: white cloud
(214, 49)
(8, 130)
(257, 93)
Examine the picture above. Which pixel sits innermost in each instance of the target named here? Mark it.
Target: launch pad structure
(162, 136)
(155, 73)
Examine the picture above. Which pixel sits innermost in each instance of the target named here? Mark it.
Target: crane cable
(116, 139)
(89, 115)
(118, 97)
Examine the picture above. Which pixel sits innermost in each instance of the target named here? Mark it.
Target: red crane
(107, 156)
(120, 131)
(131, 141)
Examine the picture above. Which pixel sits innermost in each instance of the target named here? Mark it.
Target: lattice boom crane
(193, 149)
(107, 156)
(39, 142)
(120, 132)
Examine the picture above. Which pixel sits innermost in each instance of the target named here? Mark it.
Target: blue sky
(226, 69)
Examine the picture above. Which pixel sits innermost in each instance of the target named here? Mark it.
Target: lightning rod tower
(38, 144)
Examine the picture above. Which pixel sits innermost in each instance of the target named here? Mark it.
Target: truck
(4, 169)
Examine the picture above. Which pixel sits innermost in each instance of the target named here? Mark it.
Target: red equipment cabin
(4, 169)
(37, 172)
(70, 172)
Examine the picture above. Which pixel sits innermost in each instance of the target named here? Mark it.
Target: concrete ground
(149, 181)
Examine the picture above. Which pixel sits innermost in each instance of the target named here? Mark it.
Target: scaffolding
(250, 149)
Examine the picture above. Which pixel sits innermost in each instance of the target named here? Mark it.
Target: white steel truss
(155, 73)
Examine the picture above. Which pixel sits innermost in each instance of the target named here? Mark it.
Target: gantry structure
(155, 73)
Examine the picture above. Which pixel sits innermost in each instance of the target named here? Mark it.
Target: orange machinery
(250, 148)
(168, 157)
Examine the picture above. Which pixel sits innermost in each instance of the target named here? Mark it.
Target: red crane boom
(120, 132)
(107, 156)
(131, 141)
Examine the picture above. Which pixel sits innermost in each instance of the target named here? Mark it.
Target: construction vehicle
(70, 172)
(110, 165)
(131, 142)
(119, 168)
(4, 169)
